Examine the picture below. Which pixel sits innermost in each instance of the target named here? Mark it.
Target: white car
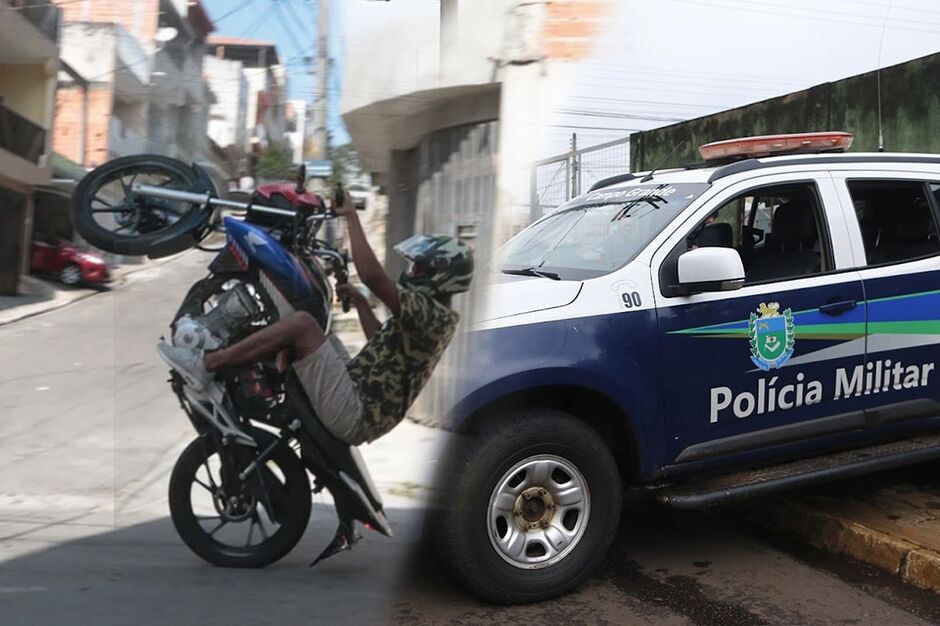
(766, 320)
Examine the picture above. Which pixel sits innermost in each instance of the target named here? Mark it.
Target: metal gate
(556, 180)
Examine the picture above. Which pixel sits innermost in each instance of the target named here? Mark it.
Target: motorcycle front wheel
(233, 523)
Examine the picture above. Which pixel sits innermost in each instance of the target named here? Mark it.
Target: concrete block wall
(571, 27)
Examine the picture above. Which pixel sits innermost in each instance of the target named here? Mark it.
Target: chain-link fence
(558, 179)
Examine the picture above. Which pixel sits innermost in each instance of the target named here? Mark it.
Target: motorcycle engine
(235, 310)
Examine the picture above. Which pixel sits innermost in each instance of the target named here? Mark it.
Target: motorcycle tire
(135, 243)
(291, 503)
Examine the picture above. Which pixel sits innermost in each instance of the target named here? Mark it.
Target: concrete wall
(23, 88)
(910, 109)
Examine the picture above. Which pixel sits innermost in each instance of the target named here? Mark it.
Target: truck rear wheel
(530, 506)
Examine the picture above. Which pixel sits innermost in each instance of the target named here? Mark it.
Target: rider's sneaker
(188, 362)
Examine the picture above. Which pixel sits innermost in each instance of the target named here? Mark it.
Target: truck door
(755, 367)
(893, 221)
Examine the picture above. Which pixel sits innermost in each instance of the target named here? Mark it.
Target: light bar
(768, 145)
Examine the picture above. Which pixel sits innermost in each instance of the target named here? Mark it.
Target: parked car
(69, 263)
(765, 320)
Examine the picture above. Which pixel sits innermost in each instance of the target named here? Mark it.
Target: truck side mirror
(710, 269)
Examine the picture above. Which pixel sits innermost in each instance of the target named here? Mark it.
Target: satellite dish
(165, 34)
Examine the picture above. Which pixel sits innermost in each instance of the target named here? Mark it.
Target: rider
(362, 398)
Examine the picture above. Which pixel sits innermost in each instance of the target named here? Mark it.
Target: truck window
(896, 220)
(778, 231)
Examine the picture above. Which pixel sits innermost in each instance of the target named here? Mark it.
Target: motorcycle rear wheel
(276, 498)
(109, 216)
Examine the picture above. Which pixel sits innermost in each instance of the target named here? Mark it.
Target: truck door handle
(838, 308)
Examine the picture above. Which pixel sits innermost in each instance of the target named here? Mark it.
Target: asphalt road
(89, 432)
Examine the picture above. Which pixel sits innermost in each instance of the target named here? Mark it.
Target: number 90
(631, 299)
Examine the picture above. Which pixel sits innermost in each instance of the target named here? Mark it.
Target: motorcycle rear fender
(336, 465)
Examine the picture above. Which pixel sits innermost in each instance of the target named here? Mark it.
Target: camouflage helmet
(440, 264)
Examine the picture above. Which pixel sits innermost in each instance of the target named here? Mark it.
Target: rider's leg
(298, 331)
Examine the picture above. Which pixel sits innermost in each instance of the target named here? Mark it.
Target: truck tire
(530, 505)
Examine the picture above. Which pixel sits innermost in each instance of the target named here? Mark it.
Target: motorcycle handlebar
(207, 199)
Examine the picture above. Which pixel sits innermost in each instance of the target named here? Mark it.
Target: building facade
(29, 37)
(265, 87)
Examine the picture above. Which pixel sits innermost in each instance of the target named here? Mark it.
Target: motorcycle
(239, 494)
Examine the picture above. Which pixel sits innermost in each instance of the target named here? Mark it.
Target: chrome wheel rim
(538, 512)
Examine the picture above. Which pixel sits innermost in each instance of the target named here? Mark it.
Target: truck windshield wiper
(532, 271)
(650, 200)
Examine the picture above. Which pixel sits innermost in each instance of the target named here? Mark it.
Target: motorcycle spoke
(216, 529)
(257, 518)
(104, 202)
(204, 485)
(205, 464)
(251, 530)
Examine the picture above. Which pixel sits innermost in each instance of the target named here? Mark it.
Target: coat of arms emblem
(771, 336)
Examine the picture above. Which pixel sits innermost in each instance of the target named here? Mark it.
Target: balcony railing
(44, 15)
(21, 136)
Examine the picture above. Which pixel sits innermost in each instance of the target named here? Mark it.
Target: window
(896, 220)
(778, 231)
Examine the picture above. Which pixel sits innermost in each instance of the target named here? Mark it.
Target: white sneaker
(188, 362)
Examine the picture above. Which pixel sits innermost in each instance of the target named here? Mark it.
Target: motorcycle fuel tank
(252, 246)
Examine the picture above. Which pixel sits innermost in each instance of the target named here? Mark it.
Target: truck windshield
(597, 233)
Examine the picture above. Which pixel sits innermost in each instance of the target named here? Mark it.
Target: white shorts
(331, 390)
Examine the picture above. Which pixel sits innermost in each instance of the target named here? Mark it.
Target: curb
(912, 563)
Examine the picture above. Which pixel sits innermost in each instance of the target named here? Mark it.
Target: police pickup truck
(762, 321)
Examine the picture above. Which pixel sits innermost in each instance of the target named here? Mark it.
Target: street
(90, 431)
(682, 567)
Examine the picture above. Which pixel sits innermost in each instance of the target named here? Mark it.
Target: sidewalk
(39, 295)
(891, 521)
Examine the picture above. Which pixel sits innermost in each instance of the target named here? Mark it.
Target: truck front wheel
(530, 506)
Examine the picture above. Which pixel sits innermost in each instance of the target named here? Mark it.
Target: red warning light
(770, 145)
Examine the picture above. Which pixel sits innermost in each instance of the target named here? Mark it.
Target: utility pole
(320, 99)
(448, 36)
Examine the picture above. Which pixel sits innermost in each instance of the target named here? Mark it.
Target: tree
(275, 163)
(345, 164)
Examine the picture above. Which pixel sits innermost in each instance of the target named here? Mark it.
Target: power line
(804, 16)
(237, 9)
(285, 25)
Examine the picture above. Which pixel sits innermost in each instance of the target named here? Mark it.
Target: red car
(68, 263)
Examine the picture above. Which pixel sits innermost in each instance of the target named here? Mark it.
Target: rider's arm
(367, 319)
(367, 266)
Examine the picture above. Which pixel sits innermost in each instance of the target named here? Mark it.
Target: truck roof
(704, 172)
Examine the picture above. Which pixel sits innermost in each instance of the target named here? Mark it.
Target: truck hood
(510, 295)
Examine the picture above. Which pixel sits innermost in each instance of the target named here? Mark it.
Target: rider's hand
(345, 209)
(355, 296)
